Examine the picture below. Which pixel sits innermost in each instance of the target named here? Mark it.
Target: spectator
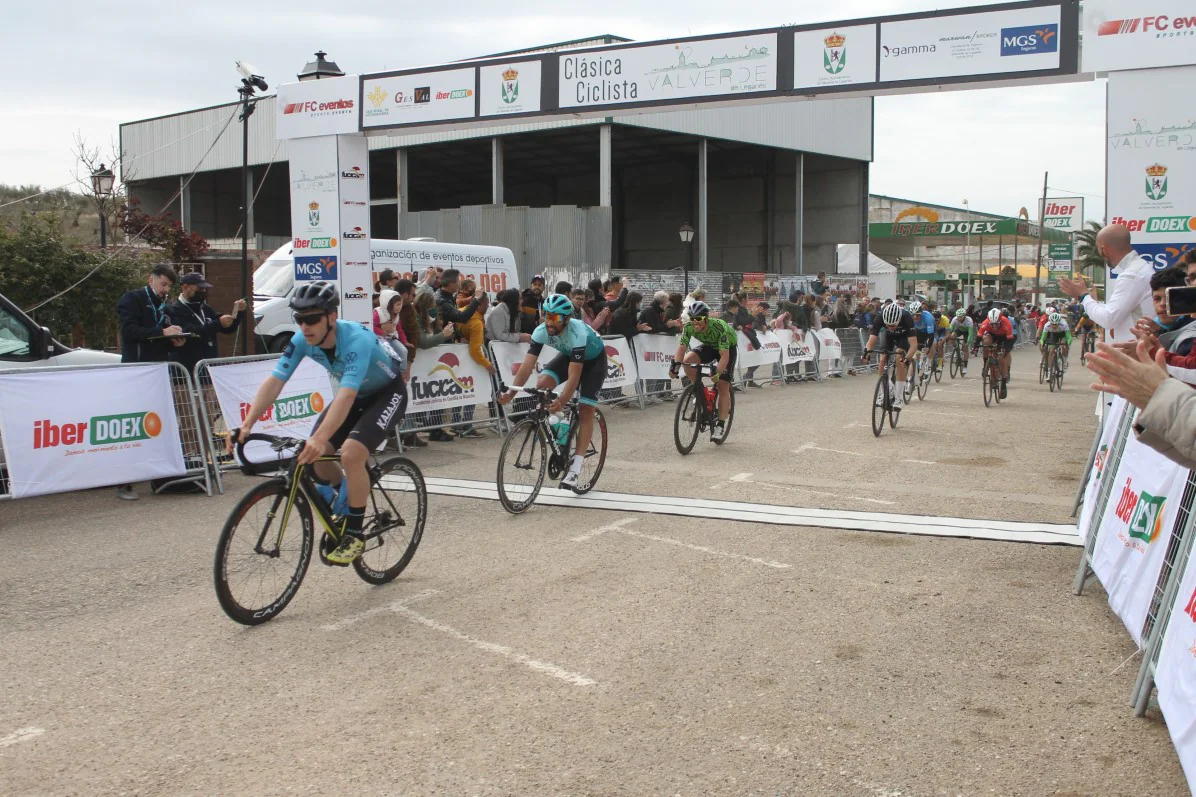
(654, 314)
(144, 323)
(431, 280)
(386, 279)
(818, 285)
(432, 332)
(1129, 298)
(564, 288)
(741, 320)
(446, 300)
(696, 295)
(1174, 335)
(582, 302)
(598, 302)
(407, 320)
(625, 321)
(192, 314)
(473, 332)
(503, 320)
(1188, 264)
(533, 300)
(388, 325)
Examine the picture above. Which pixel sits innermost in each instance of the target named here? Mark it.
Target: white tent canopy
(882, 276)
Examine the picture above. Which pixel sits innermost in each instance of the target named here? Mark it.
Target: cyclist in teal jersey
(370, 400)
(719, 344)
(580, 362)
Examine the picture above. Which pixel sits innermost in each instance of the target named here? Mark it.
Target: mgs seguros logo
(99, 430)
(1030, 40)
(448, 386)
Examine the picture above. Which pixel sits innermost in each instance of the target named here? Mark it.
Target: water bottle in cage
(560, 428)
(710, 394)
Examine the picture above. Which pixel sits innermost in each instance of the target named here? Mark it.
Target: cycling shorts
(941, 332)
(1056, 337)
(886, 342)
(1004, 344)
(593, 374)
(924, 338)
(710, 355)
(372, 417)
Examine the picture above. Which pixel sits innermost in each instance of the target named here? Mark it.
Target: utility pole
(1041, 227)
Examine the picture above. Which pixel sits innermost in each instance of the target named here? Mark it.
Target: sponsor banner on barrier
(829, 346)
(293, 413)
(654, 355)
(446, 376)
(507, 358)
(621, 368)
(769, 351)
(1175, 673)
(796, 347)
(1135, 530)
(77, 429)
(1095, 476)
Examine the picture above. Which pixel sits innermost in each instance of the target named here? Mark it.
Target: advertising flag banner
(769, 351)
(725, 66)
(1135, 530)
(1092, 486)
(654, 354)
(1152, 161)
(446, 376)
(990, 42)
(72, 430)
(293, 413)
(834, 56)
(315, 208)
(1175, 673)
(1137, 34)
(509, 88)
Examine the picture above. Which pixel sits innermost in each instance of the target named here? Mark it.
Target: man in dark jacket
(741, 320)
(144, 321)
(193, 314)
(446, 300)
(653, 314)
(533, 299)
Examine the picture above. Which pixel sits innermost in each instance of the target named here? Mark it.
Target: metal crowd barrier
(191, 436)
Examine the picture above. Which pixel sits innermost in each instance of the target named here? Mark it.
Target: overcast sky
(88, 66)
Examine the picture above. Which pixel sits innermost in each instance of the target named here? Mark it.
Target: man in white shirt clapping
(1128, 296)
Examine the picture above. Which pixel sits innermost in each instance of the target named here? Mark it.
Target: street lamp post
(250, 81)
(967, 246)
(687, 236)
(102, 180)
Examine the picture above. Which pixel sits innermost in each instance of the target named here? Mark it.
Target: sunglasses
(555, 318)
(1190, 279)
(308, 320)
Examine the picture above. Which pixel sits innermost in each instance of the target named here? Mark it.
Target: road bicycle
(990, 384)
(259, 566)
(956, 357)
(882, 398)
(1087, 347)
(936, 364)
(697, 410)
(1053, 372)
(537, 446)
(921, 375)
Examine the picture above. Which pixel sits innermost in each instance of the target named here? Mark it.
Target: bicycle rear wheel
(595, 456)
(256, 573)
(994, 381)
(730, 418)
(394, 524)
(687, 421)
(1042, 370)
(954, 364)
(521, 466)
(924, 377)
(938, 368)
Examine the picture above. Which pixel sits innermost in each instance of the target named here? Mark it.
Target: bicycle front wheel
(259, 567)
(595, 456)
(521, 466)
(985, 387)
(395, 520)
(687, 420)
(880, 404)
(924, 377)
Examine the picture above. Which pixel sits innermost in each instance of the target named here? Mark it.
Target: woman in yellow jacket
(473, 333)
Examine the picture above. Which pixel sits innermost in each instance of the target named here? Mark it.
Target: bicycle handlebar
(277, 443)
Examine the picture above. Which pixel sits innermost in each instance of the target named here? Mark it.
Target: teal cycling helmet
(558, 304)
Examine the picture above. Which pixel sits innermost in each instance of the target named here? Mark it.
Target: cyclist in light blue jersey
(370, 401)
(580, 362)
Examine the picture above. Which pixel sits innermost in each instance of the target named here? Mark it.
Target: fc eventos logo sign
(100, 430)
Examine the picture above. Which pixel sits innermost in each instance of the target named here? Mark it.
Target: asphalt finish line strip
(921, 525)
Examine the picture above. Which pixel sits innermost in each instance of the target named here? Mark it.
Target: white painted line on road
(704, 549)
(577, 679)
(740, 477)
(928, 525)
(393, 606)
(812, 447)
(944, 414)
(920, 461)
(616, 526)
(21, 735)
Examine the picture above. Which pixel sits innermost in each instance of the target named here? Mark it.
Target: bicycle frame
(297, 480)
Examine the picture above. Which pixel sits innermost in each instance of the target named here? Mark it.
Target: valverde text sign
(960, 46)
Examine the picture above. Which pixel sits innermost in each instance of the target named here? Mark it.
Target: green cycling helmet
(558, 304)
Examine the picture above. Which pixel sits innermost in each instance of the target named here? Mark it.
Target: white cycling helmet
(891, 314)
(961, 313)
(1055, 318)
(994, 315)
(914, 308)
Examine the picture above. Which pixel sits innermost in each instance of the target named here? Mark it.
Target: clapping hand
(1134, 379)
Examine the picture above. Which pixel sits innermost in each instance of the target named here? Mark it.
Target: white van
(492, 267)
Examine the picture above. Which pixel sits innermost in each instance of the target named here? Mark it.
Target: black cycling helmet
(315, 296)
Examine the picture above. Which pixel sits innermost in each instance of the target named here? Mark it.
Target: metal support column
(866, 201)
(703, 205)
(496, 171)
(185, 202)
(604, 167)
(401, 188)
(799, 238)
(770, 213)
(249, 228)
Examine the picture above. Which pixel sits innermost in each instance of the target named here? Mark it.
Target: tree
(1088, 257)
(37, 261)
(162, 231)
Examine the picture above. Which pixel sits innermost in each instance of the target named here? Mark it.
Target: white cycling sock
(578, 459)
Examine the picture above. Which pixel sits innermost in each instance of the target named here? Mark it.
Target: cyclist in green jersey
(719, 343)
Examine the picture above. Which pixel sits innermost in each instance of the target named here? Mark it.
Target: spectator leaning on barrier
(388, 326)
(818, 285)
(503, 322)
(473, 333)
(533, 300)
(654, 314)
(446, 300)
(625, 320)
(1175, 336)
(1129, 294)
(741, 321)
(193, 314)
(582, 301)
(432, 332)
(673, 311)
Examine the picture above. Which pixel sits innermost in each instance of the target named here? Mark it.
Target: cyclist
(1085, 327)
(1054, 331)
(964, 328)
(720, 345)
(894, 329)
(370, 401)
(580, 364)
(923, 325)
(942, 325)
(997, 330)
